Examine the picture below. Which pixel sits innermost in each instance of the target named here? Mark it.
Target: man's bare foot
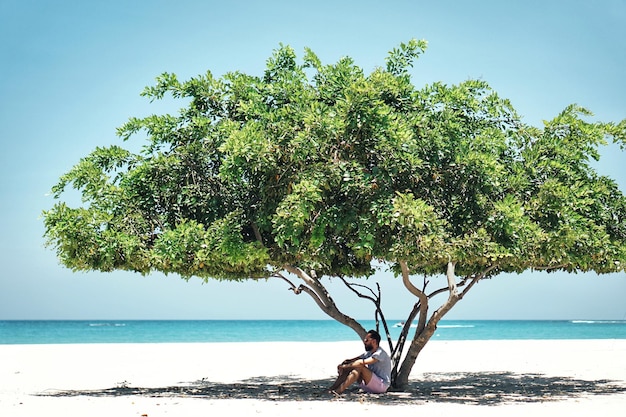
(334, 393)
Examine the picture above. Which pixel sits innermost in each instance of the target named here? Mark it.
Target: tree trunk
(423, 334)
(402, 378)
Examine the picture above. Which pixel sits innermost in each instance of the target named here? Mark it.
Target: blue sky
(71, 72)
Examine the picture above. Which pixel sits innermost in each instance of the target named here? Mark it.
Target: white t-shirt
(382, 367)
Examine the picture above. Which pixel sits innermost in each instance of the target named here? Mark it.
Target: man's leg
(350, 378)
(362, 373)
(343, 374)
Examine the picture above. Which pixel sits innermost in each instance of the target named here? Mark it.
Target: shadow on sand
(483, 388)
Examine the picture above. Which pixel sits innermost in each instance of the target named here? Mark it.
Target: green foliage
(401, 59)
(325, 167)
(217, 252)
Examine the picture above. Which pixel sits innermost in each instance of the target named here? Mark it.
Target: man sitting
(371, 369)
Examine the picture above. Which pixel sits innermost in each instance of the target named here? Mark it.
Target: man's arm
(357, 362)
(347, 361)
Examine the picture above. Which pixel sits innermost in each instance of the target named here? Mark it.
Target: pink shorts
(375, 386)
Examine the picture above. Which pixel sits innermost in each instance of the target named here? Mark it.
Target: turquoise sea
(190, 331)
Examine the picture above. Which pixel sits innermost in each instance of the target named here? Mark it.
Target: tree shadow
(480, 388)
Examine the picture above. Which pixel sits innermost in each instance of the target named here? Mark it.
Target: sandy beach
(469, 378)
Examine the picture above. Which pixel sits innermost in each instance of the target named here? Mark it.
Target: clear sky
(71, 72)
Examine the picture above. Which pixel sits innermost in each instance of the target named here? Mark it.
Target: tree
(313, 171)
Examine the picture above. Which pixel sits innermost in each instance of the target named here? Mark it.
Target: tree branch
(444, 289)
(548, 268)
(376, 299)
(451, 279)
(320, 295)
(423, 299)
(470, 278)
(257, 233)
(396, 353)
(476, 278)
(351, 285)
(409, 285)
(296, 290)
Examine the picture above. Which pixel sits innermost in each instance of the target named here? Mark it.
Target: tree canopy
(324, 170)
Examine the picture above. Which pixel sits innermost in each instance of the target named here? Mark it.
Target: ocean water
(190, 331)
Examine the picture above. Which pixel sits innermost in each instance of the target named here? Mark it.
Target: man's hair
(374, 334)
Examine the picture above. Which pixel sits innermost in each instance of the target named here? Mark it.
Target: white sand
(472, 378)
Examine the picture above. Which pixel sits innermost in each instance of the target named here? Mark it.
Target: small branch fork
(376, 299)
